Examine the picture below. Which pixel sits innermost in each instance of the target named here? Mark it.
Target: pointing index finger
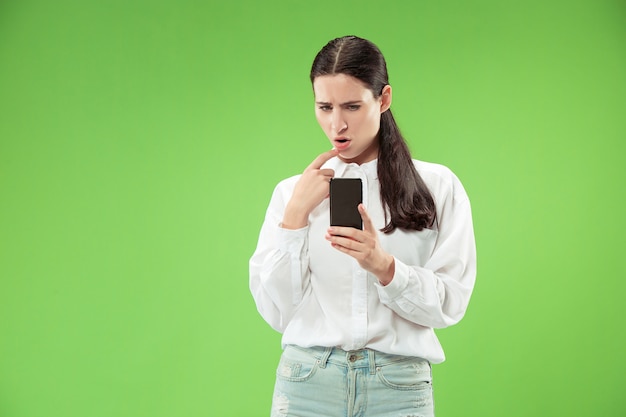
(322, 158)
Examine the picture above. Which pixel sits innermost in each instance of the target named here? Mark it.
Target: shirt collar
(370, 168)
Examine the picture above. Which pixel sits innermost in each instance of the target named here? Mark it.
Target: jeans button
(352, 357)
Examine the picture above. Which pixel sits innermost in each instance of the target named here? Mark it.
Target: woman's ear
(385, 99)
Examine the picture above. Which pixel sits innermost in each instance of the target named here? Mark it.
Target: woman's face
(349, 114)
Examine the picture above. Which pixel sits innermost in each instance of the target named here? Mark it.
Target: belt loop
(323, 360)
(371, 357)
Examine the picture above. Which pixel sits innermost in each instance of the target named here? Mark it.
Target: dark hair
(403, 193)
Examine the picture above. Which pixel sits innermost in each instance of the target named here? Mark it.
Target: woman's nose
(338, 122)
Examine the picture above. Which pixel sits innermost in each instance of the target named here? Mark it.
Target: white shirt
(318, 296)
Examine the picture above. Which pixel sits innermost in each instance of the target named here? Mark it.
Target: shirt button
(352, 358)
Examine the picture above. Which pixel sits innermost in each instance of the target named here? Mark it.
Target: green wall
(140, 142)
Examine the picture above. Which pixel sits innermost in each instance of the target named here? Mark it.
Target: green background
(140, 142)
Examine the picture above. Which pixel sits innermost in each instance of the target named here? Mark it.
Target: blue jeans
(330, 382)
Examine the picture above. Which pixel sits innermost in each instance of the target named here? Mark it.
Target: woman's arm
(279, 272)
(436, 293)
(279, 267)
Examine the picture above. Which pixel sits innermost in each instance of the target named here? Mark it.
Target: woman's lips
(341, 144)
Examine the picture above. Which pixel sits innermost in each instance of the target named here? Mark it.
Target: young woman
(357, 308)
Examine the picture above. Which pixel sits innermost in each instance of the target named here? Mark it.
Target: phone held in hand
(345, 196)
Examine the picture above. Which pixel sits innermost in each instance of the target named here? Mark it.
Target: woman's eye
(354, 107)
(325, 108)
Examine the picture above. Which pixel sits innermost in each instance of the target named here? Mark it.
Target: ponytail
(403, 193)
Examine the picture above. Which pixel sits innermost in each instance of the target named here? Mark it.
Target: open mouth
(342, 143)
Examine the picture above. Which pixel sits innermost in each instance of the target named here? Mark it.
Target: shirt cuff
(292, 240)
(398, 284)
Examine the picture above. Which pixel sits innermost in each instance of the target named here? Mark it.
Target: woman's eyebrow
(347, 103)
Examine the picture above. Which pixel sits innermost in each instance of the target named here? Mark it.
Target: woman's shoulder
(286, 185)
(439, 178)
(288, 182)
(433, 169)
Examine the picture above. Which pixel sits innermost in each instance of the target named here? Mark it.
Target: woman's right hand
(310, 190)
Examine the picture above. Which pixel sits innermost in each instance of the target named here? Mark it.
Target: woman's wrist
(294, 218)
(385, 276)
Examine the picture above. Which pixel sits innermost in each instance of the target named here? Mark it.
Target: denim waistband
(362, 358)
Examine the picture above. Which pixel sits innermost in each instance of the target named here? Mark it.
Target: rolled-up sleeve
(437, 293)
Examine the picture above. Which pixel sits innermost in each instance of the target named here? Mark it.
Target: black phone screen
(345, 196)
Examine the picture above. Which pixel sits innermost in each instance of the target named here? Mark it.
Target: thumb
(368, 225)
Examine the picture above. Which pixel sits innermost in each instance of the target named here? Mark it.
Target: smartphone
(345, 196)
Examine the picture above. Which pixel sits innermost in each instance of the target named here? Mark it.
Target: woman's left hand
(364, 246)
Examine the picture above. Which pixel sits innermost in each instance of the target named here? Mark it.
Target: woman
(357, 308)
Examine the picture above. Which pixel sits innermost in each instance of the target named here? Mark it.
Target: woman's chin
(357, 157)
(347, 156)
